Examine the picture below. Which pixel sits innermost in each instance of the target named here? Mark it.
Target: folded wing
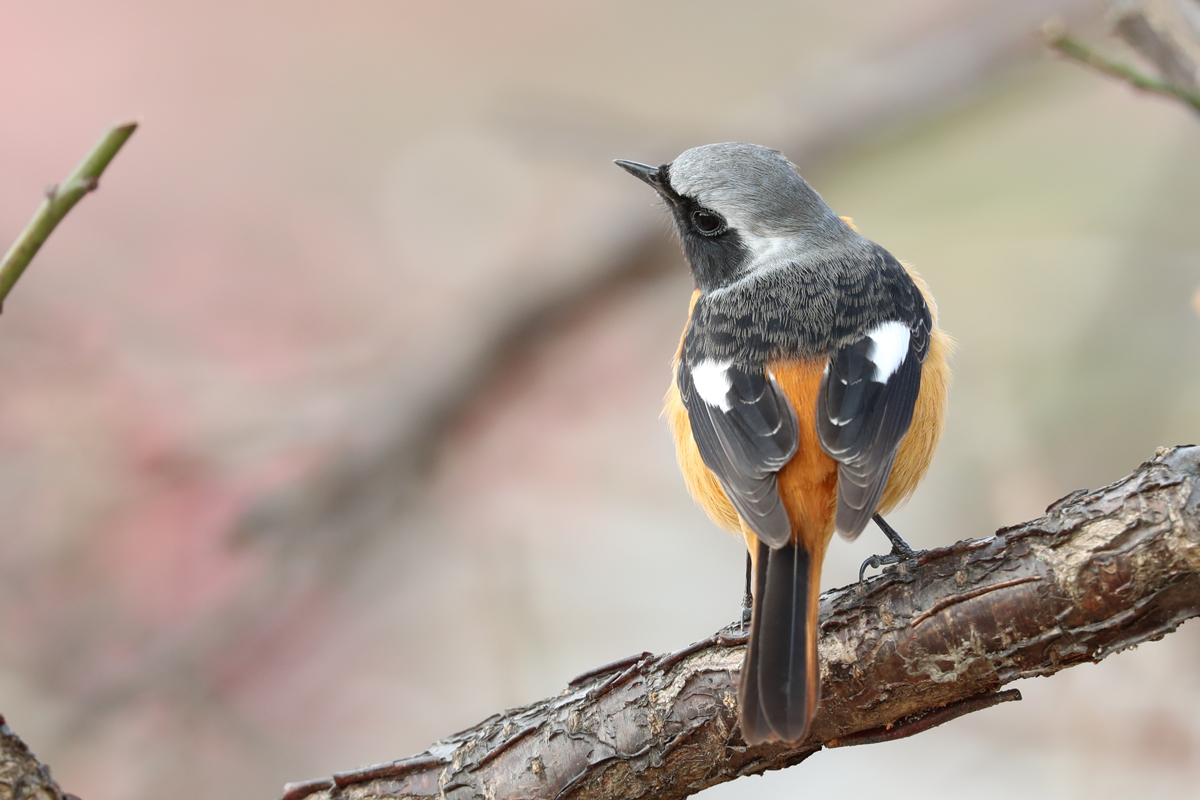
(746, 431)
(864, 407)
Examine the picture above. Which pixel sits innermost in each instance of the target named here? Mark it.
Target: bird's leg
(747, 598)
(900, 549)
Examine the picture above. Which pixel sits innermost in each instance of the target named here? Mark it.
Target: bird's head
(739, 208)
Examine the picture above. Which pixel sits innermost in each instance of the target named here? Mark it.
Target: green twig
(1078, 51)
(60, 198)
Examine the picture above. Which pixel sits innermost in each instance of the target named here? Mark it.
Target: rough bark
(22, 776)
(902, 652)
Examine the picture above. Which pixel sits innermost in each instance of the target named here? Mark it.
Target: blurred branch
(1161, 49)
(61, 198)
(358, 491)
(905, 651)
(1165, 32)
(1077, 51)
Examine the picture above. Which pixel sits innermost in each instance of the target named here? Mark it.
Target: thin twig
(612, 666)
(506, 745)
(1076, 50)
(720, 639)
(615, 682)
(388, 769)
(910, 727)
(61, 198)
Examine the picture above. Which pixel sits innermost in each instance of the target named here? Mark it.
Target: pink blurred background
(330, 424)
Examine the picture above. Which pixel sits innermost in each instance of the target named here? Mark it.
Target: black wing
(746, 431)
(864, 407)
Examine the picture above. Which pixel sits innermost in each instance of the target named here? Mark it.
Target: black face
(713, 249)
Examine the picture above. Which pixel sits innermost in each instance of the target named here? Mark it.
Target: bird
(808, 395)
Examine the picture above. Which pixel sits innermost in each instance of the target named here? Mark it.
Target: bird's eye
(707, 222)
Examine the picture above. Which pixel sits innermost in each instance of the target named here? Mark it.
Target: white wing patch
(889, 346)
(713, 383)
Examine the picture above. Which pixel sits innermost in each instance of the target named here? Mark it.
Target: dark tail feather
(779, 685)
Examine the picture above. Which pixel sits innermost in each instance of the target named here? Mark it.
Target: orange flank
(701, 482)
(916, 448)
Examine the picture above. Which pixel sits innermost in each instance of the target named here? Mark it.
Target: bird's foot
(900, 553)
(897, 556)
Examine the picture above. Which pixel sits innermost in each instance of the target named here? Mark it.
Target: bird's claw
(901, 551)
(897, 556)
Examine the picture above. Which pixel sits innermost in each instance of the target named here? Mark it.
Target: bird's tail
(780, 682)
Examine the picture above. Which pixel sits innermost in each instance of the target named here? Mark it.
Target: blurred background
(329, 426)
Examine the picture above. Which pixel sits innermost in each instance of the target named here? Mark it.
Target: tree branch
(1076, 50)
(61, 198)
(1165, 32)
(901, 653)
(21, 774)
(907, 650)
(1159, 47)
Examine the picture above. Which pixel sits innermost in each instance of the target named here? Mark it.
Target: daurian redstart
(809, 391)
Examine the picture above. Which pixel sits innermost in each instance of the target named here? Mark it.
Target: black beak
(645, 172)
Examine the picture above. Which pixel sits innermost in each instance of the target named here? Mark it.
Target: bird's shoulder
(804, 308)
